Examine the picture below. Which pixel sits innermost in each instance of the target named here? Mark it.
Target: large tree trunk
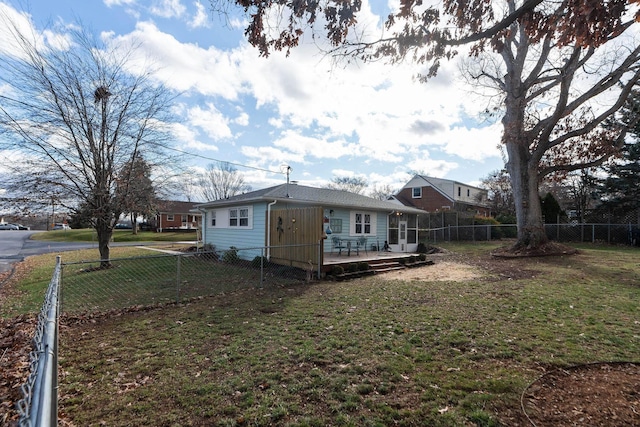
(105, 231)
(134, 223)
(524, 183)
(522, 168)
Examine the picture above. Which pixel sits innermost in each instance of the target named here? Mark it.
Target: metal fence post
(320, 259)
(593, 233)
(261, 266)
(178, 263)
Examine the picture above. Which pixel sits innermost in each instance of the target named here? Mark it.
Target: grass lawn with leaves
(374, 351)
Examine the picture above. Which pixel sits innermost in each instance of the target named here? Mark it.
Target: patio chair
(361, 243)
(336, 243)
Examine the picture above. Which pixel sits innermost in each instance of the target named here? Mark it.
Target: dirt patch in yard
(441, 271)
(600, 394)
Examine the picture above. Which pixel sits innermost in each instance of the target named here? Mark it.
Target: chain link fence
(174, 277)
(39, 405)
(566, 233)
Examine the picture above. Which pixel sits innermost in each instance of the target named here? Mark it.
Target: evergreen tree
(135, 190)
(550, 209)
(620, 191)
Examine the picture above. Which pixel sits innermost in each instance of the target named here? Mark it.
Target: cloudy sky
(323, 119)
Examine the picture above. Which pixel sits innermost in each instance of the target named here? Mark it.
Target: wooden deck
(370, 256)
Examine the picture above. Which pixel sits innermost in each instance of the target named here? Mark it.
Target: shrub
(411, 259)
(351, 268)
(259, 261)
(496, 232)
(422, 257)
(337, 270)
(231, 255)
(363, 266)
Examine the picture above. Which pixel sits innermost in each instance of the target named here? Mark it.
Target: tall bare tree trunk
(105, 232)
(134, 223)
(522, 167)
(524, 183)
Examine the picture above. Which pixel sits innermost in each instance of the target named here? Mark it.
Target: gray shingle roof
(326, 197)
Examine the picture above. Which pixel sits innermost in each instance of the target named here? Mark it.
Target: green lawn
(370, 352)
(89, 235)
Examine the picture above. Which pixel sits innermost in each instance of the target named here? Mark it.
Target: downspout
(269, 228)
(203, 227)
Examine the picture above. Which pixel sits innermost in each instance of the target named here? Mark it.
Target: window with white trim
(362, 223)
(239, 217)
(213, 218)
(417, 192)
(170, 217)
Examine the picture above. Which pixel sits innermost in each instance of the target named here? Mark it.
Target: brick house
(175, 215)
(437, 194)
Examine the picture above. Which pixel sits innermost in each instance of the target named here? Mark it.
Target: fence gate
(300, 230)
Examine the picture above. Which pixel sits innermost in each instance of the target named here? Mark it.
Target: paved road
(16, 245)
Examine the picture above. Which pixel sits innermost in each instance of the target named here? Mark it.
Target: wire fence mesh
(39, 405)
(566, 233)
(175, 277)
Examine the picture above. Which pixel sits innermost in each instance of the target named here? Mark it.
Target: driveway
(16, 245)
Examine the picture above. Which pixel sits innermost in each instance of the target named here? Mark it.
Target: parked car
(8, 227)
(60, 226)
(22, 227)
(122, 226)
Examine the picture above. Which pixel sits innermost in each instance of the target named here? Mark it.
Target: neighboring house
(297, 214)
(437, 194)
(174, 215)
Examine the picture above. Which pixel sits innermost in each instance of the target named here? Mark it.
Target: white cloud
(263, 156)
(110, 3)
(168, 8)
(432, 167)
(187, 138)
(187, 66)
(474, 144)
(200, 18)
(314, 146)
(211, 120)
(242, 119)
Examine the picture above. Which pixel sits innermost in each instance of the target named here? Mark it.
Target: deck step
(388, 269)
(383, 267)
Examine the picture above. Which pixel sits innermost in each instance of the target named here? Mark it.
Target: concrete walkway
(165, 251)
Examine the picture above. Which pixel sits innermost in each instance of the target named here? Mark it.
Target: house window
(170, 217)
(184, 219)
(459, 191)
(468, 192)
(244, 217)
(213, 218)
(417, 192)
(363, 223)
(336, 225)
(239, 217)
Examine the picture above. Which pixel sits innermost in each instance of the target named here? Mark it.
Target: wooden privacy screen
(295, 234)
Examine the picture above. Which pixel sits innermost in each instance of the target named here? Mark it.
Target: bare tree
(545, 58)
(136, 189)
(500, 193)
(220, 181)
(351, 184)
(382, 192)
(76, 114)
